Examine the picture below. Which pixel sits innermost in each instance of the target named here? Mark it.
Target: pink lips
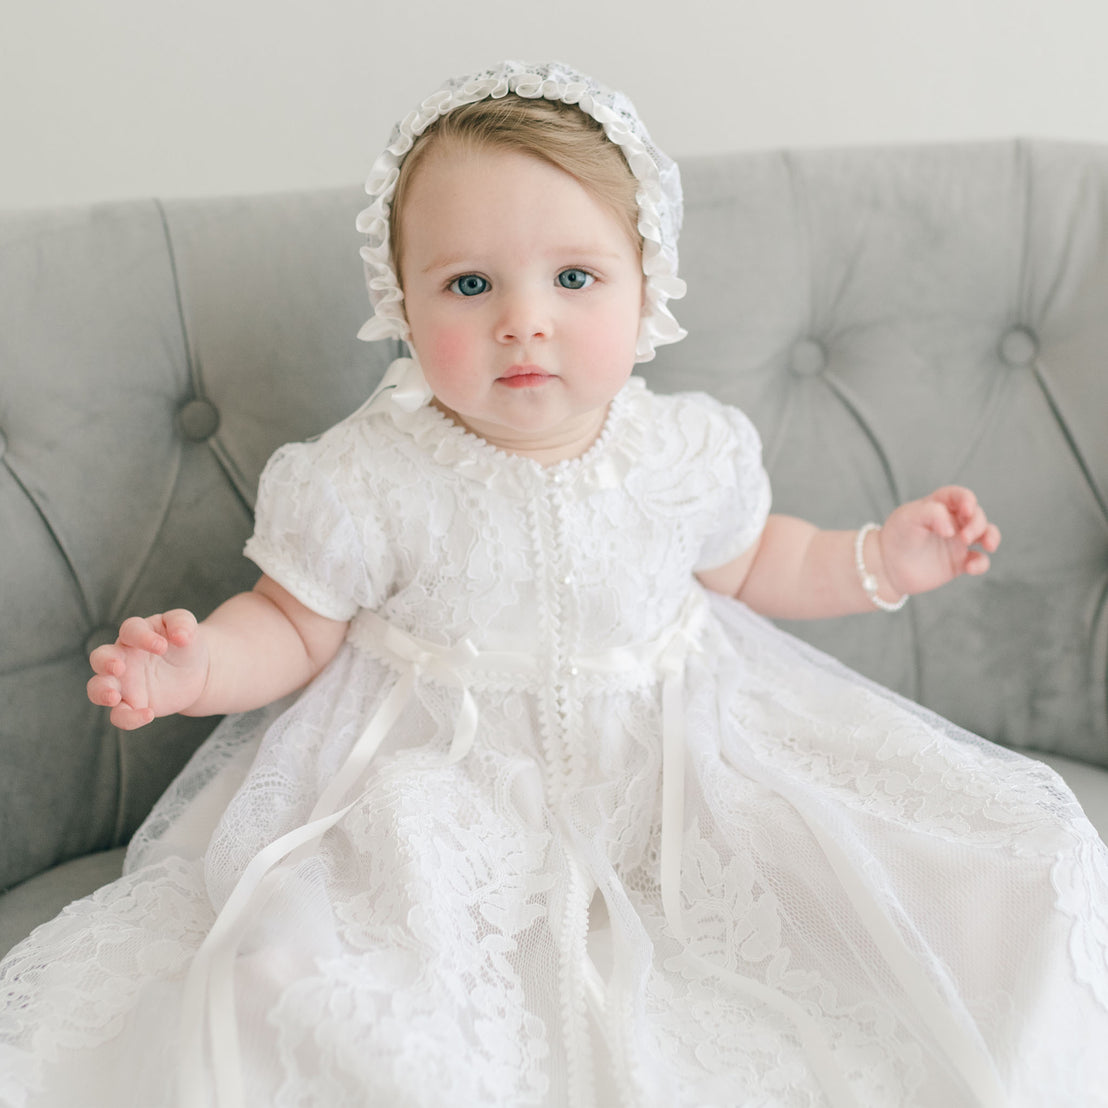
(525, 377)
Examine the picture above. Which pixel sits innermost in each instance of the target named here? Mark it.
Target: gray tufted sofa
(892, 319)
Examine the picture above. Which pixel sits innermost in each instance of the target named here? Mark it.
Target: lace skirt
(863, 905)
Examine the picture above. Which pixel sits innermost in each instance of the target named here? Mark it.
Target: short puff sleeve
(312, 536)
(744, 488)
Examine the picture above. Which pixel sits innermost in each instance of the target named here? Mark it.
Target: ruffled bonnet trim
(658, 194)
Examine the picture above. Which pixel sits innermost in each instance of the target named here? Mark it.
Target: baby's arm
(797, 571)
(251, 650)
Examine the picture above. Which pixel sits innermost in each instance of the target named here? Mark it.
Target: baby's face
(523, 294)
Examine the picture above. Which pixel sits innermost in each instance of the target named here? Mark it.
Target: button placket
(565, 612)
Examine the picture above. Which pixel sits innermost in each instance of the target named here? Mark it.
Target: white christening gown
(380, 892)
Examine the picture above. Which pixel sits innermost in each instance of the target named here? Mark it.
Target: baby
(521, 595)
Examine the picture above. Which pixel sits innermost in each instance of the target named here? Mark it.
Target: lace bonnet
(658, 193)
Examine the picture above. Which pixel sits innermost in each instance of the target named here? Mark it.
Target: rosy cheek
(452, 348)
(440, 343)
(608, 343)
(449, 355)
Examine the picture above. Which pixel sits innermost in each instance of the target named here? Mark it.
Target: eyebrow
(461, 261)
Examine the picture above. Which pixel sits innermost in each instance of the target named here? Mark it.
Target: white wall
(116, 98)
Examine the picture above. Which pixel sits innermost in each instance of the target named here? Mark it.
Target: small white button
(573, 671)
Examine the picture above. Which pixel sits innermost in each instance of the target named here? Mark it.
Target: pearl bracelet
(869, 582)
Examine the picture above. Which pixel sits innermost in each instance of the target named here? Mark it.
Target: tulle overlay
(870, 908)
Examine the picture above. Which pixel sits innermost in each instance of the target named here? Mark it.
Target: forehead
(480, 193)
(450, 170)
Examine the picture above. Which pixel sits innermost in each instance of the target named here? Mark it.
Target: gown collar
(404, 398)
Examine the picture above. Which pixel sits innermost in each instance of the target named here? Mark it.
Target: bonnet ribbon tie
(404, 385)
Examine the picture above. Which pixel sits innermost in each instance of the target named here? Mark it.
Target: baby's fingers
(143, 634)
(976, 530)
(108, 659)
(968, 521)
(953, 509)
(938, 517)
(128, 719)
(156, 634)
(178, 626)
(990, 539)
(977, 562)
(104, 690)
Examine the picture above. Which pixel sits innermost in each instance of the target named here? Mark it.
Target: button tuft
(809, 358)
(1018, 347)
(198, 420)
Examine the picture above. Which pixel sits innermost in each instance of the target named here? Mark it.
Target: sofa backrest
(891, 319)
(152, 356)
(902, 318)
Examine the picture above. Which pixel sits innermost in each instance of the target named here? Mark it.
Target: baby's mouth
(525, 376)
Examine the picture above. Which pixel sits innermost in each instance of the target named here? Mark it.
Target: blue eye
(469, 285)
(575, 279)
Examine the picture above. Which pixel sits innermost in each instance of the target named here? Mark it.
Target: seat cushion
(25, 906)
(1089, 785)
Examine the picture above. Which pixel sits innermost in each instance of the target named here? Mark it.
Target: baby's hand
(928, 542)
(157, 666)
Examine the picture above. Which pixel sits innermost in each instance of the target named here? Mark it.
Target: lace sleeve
(744, 498)
(313, 535)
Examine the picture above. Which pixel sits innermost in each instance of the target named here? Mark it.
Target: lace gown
(555, 827)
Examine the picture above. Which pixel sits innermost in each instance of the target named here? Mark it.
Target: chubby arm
(251, 650)
(797, 571)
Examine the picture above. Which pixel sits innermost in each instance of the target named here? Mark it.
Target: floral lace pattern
(878, 909)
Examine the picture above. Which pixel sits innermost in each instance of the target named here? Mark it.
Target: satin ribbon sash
(209, 988)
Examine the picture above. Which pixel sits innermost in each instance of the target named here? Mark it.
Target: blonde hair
(560, 134)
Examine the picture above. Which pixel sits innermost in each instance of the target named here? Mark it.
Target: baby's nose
(525, 316)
